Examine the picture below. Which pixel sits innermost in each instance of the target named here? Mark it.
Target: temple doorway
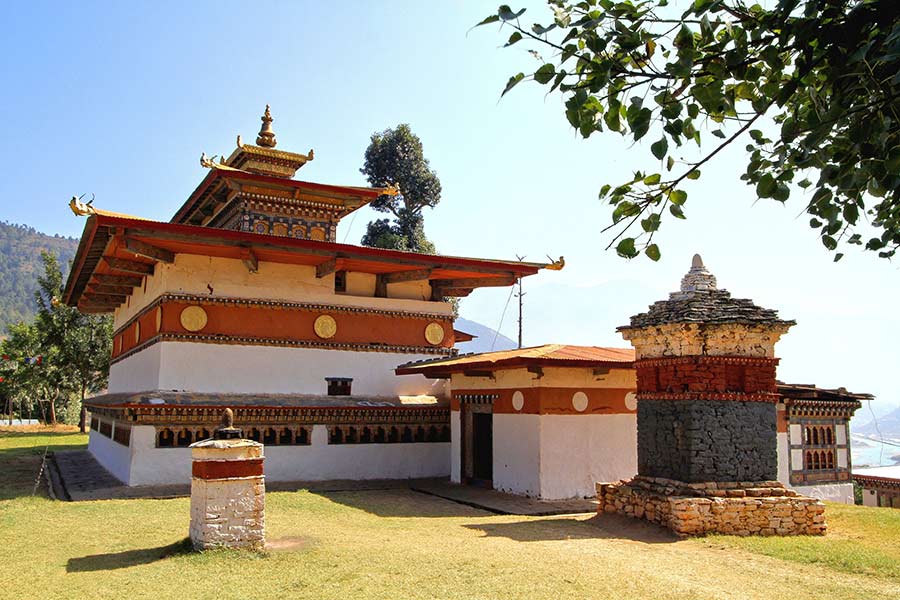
(478, 443)
(482, 446)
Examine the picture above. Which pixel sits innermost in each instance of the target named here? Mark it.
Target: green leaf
(545, 73)
(670, 162)
(651, 223)
(638, 120)
(892, 162)
(487, 20)
(694, 174)
(676, 211)
(678, 197)
(625, 248)
(719, 133)
(766, 186)
(515, 37)
(604, 190)
(652, 179)
(782, 192)
(660, 148)
(611, 117)
(512, 82)
(652, 252)
(829, 242)
(506, 13)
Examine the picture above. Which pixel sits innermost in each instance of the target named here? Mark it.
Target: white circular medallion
(631, 401)
(518, 400)
(579, 401)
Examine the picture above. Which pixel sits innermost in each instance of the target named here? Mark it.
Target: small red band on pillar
(224, 469)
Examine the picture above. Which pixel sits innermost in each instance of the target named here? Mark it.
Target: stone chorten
(706, 417)
(706, 384)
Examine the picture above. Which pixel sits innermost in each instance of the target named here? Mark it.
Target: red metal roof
(549, 355)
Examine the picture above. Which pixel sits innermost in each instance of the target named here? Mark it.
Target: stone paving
(502, 503)
(76, 475)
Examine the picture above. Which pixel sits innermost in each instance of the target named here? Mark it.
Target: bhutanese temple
(340, 358)
(244, 300)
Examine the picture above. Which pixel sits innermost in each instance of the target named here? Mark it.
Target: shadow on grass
(399, 502)
(606, 526)
(128, 558)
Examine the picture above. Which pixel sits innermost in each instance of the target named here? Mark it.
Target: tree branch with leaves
(823, 74)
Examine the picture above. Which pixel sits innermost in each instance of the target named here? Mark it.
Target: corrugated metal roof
(547, 355)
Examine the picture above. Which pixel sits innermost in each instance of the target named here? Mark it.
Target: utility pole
(520, 295)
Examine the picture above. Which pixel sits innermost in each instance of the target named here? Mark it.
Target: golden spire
(266, 137)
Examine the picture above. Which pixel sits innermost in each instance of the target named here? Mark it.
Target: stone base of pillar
(734, 508)
(228, 495)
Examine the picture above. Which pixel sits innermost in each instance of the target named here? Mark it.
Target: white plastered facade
(553, 456)
(255, 369)
(144, 464)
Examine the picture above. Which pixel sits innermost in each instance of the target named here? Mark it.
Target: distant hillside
(888, 425)
(484, 340)
(20, 265)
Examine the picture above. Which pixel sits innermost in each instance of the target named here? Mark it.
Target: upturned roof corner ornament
(210, 163)
(556, 265)
(80, 208)
(266, 137)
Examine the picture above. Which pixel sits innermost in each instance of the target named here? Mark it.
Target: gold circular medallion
(158, 318)
(137, 332)
(434, 333)
(193, 318)
(325, 326)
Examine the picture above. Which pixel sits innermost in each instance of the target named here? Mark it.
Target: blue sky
(119, 100)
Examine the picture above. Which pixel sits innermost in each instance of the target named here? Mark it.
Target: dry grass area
(401, 544)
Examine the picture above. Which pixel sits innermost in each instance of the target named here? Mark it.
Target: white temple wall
(317, 462)
(455, 447)
(136, 373)
(783, 450)
(517, 453)
(870, 497)
(229, 278)
(577, 451)
(227, 368)
(321, 462)
(114, 457)
(155, 466)
(833, 492)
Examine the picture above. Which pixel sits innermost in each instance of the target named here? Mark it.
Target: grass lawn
(402, 544)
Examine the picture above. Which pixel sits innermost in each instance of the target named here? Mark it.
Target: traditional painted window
(122, 434)
(339, 386)
(340, 282)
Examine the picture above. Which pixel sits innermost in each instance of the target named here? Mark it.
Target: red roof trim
(210, 235)
(213, 233)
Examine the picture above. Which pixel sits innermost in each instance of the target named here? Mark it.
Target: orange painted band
(225, 469)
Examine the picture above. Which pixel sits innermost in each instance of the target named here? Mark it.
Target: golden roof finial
(266, 137)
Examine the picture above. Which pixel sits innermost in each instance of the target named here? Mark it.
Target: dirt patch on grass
(290, 544)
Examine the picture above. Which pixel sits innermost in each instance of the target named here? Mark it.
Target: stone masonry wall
(707, 440)
(746, 508)
(707, 374)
